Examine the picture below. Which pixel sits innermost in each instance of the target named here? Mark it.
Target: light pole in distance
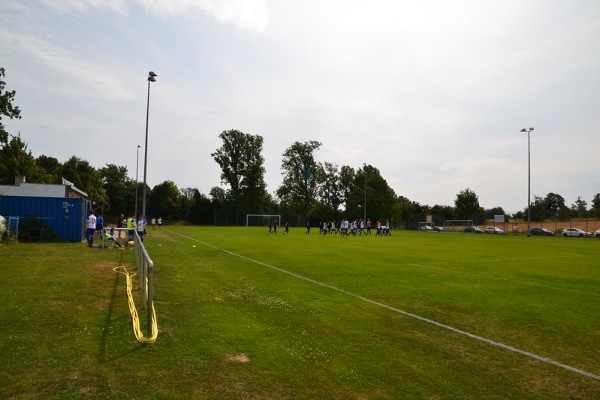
(528, 179)
(151, 78)
(137, 157)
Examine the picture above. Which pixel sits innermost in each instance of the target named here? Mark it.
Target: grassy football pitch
(247, 315)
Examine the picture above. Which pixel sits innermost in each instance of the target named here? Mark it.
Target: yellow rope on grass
(133, 311)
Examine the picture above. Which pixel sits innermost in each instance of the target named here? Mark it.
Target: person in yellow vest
(131, 227)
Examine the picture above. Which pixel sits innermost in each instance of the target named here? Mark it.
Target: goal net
(262, 219)
(457, 224)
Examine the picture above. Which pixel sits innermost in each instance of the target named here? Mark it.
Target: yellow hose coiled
(133, 311)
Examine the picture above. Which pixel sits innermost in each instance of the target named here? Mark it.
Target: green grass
(295, 307)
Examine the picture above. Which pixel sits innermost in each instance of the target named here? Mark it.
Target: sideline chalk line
(406, 313)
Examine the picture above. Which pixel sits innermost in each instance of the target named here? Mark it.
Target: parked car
(576, 232)
(426, 228)
(493, 229)
(540, 232)
(439, 229)
(473, 229)
(597, 233)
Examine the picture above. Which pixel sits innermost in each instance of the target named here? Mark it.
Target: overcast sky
(433, 93)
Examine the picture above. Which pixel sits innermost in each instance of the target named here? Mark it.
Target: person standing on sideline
(99, 224)
(515, 229)
(90, 229)
(287, 228)
(120, 224)
(307, 228)
(141, 227)
(159, 222)
(153, 223)
(130, 227)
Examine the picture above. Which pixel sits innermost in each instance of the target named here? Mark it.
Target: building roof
(66, 189)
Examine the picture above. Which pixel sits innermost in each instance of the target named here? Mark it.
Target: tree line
(310, 191)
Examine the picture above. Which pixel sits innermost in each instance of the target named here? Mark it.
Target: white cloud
(432, 93)
(250, 15)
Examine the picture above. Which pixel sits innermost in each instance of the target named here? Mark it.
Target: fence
(145, 272)
(145, 268)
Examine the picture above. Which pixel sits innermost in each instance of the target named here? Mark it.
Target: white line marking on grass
(505, 279)
(406, 313)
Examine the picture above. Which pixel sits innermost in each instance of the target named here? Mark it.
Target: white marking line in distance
(406, 313)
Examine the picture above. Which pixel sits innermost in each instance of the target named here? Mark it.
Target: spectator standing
(90, 229)
(141, 227)
(130, 227)
(99, 224)
(120, 224)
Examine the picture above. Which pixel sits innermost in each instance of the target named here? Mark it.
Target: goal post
(457, 224)
(262, 219)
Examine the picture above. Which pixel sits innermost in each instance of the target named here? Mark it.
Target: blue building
(62, 207)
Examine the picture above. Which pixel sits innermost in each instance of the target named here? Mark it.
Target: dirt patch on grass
(240, 357)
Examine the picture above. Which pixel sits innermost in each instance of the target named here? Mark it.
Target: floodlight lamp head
(151, 73)
(523, 130)
(531, 128)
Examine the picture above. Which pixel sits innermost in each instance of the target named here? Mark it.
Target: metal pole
(151, 78)
(150, 294)
(365, 208)
(528, 179)
(528, 184)
(137, 163)
(146, 154)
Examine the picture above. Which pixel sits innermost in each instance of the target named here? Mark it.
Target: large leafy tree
(552, 204)
(242, 169)
(120, 189)
(299, 187)
(85, 177)
(17, 160)
(579, 208)
(50, 168)
(409, 213)
(596, 205)
(467, 205)
(7, 109)
(165, 201)
(201, 209)
(370, 189)
(329, 187)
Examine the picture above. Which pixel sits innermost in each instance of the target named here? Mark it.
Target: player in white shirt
(90, 229)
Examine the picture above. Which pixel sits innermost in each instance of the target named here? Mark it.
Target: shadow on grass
(109, 320)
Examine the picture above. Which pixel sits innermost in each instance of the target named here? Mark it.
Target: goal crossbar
(263, 219)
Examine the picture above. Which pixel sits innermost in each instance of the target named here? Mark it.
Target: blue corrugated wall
(66, 216)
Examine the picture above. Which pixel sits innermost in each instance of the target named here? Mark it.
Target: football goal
(457, 224)
(262, 219)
